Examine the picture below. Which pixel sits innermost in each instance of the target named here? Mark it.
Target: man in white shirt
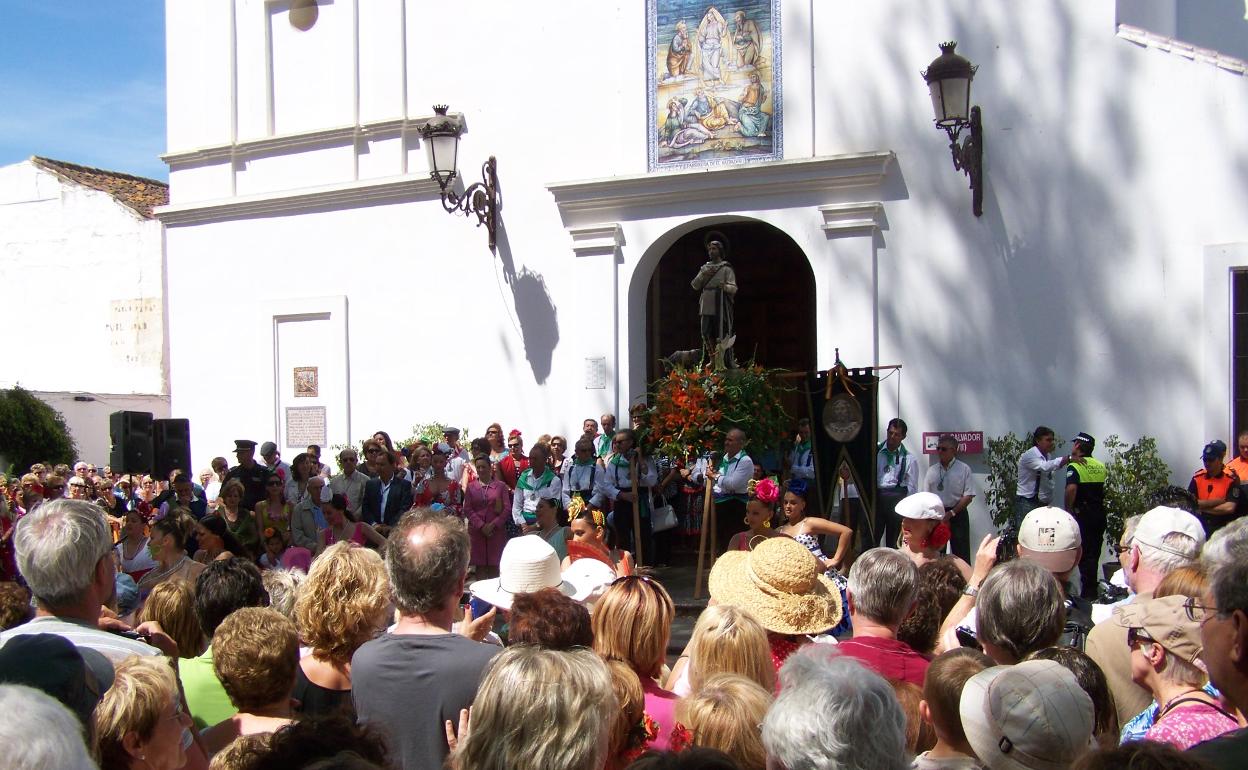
(896, 477)
(731, 478)
(1035, 474)
(65, 552)
(273, 459)
(350, 483)
(950, 479)
(457, 456)
(617, 486)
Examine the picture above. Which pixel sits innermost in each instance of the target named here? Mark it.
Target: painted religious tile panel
(713, 82)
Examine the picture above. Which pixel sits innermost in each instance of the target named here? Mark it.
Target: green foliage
(32, 432)
(431, 433)
(690, 410)
(1002, 460)
(1135, 472)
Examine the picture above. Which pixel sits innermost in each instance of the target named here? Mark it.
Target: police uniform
(1224, 485)
(253, 479)
(1089, 510)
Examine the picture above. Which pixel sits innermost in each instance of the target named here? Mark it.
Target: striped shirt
(82, 634)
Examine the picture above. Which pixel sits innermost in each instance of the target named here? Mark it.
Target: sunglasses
(1137, 636)
(513, 446)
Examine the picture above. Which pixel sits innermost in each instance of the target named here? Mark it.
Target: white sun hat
(529, 564)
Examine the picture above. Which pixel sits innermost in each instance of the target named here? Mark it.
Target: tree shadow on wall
(535, 311)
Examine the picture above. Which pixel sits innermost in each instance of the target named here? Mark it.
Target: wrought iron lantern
(482, 199)
(949, 79)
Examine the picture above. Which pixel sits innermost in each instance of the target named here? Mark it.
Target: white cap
(921, 505)
(1163, 520)
(1032, 716)
(1050, 537)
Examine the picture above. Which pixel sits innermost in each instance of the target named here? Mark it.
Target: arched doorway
(775, 307)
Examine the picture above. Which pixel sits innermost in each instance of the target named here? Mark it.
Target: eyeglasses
(1136, 636)
(177, 710)
(1198, 612)
(513, 446)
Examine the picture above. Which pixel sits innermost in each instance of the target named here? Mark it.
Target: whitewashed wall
(83, 300)
(1083, 298)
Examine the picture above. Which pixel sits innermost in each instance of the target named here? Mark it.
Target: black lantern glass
(441, 136)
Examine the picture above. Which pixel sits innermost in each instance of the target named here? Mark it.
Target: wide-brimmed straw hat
(528, 564)
(779, 582)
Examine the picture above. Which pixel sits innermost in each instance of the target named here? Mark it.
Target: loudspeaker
(172, 444)
(131, 434)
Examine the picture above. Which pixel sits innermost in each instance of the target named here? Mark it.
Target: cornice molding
(1143, 37)
(852, 218)
(350, 194)
(301, 140)
(597, 239)
(757, 182)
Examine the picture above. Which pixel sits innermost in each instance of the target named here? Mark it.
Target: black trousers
(622, 522)
(960, 535)
(1092, 536)
(886, 517)
(729, 520)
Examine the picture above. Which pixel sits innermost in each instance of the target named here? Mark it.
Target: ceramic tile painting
(713, 82)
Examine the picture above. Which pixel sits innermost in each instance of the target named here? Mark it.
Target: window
(1239, 350)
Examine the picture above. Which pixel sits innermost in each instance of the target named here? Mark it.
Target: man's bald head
(426, 559)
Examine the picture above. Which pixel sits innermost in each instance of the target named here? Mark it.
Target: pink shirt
(661, 707)
(1188, 724)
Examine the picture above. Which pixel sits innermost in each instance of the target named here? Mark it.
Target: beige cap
(1165, 621)
(1050, 537)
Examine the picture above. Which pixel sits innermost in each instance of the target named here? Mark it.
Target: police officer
(250, 473)
(1085, 499)
(1216, 489)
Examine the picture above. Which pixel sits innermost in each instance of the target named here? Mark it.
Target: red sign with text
(970, 442)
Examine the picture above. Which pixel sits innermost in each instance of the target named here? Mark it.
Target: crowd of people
(486, 607)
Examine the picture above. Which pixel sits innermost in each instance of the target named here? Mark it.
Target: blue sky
(84, 82)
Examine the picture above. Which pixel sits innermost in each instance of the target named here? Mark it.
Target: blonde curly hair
(342, 602)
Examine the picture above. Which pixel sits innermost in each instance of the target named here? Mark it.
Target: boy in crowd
(942, 692)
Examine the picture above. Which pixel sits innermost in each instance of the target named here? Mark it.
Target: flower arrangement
(690, 410)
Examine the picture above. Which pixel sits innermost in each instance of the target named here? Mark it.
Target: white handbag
(663, 518)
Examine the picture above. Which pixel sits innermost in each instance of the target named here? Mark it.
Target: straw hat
(528, 564)
(779, 582)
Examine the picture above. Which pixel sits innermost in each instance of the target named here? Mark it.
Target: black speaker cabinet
(172, 445)
(131, 434)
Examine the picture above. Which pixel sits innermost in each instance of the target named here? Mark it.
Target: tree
(32, 432)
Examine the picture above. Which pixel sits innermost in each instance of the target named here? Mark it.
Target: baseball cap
(75, 676)
(921, 505)
(1214, 449)
(1050, 537)
(1161, 521)
(1166, 622)
(267, 448)
(1031, 716)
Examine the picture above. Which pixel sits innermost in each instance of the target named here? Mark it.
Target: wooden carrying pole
(632, 467)
(706, 522)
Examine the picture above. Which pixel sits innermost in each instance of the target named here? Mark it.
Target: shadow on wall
(534, 310)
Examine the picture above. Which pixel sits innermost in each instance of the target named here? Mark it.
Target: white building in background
(82, 270)
(1094, 294)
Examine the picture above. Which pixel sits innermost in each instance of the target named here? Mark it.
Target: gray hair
(1178, 550)
(58, 547)
(1128, 528)
(283, 587)
(882, 584)
(422, 577)
(49, 734)
(1227, 546)
(1229, 587)
(1020, 608)
(834, 714)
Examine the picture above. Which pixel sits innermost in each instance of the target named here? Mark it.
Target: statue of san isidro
(718, 284)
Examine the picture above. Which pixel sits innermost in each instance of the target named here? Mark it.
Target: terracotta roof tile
(137, 193)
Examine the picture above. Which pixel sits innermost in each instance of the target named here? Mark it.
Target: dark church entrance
(775, 305)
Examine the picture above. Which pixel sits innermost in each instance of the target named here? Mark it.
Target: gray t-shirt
(407, 686)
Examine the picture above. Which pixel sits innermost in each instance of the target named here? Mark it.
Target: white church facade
(307, 245)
